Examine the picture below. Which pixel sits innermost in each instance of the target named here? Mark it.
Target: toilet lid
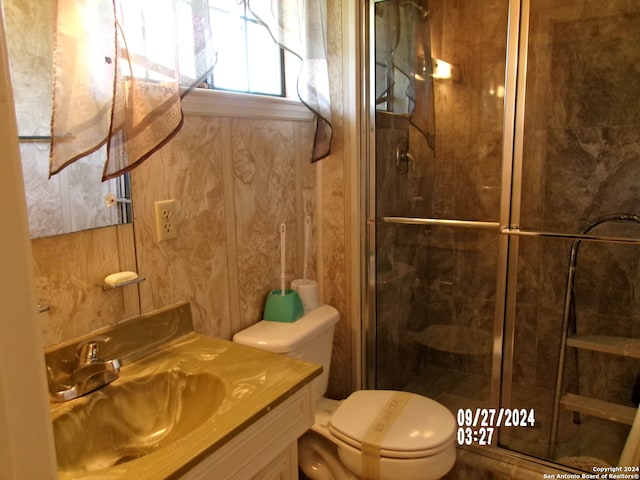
(420, 427)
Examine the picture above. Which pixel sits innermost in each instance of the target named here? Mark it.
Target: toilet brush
(283, 305)
(283, 276)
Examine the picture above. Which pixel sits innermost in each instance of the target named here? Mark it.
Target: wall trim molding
(235, 104)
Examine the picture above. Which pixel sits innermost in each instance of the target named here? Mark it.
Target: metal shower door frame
(512, 147)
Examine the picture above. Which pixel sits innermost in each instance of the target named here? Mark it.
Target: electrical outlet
(166, 219)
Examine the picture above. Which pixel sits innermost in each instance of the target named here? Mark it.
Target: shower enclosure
(501, 133)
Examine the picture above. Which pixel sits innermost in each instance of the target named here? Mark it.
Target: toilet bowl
(419, 443)
(375, 434)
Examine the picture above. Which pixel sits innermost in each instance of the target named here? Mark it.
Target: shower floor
(593, 437)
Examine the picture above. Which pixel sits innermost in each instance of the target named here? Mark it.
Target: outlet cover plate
(166, 219)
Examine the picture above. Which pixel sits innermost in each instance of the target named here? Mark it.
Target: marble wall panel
(333, 198)
(334, 276)
(592, 58)
(265, 196)
(524, 367)
(193, 266)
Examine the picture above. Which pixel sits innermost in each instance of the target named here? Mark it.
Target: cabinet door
(284, 467)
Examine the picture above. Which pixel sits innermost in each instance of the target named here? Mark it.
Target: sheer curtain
(118, 72)
(300, 27)
(122, 67)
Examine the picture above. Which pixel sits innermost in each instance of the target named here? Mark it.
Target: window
(248, 59)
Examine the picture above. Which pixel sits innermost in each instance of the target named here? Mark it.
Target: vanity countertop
(250, 383)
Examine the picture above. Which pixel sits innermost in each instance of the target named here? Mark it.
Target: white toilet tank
(309, 338)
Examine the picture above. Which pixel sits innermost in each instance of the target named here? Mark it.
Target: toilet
(373, 434)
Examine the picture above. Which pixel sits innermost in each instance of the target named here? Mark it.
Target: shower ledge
(599, 408)
(625, 347)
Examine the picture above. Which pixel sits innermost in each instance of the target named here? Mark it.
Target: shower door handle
(443, 222)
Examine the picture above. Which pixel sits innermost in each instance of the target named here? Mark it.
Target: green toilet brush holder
(283, 308)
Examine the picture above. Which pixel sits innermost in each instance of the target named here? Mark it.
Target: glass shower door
(439, 94)
(507, 260)
(573, 302)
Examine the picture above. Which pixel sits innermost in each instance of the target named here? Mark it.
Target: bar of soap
(120, 277)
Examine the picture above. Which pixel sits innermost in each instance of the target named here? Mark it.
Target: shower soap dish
(285, 307)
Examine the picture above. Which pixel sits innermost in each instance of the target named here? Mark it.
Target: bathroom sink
(180, 400)
(130, 419)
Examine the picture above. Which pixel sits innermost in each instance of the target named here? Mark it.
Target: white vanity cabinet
(265, 450)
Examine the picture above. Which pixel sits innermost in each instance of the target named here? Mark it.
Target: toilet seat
(423, 427)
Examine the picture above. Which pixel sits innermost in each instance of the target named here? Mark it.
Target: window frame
(215, 101)
(250, 23)
(223, 103)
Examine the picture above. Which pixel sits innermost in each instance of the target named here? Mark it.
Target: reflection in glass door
(439, 97)
(483, 199)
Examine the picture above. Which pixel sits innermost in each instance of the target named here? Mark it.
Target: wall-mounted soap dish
(121, 279)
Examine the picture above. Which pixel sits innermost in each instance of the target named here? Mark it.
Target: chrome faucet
(89, 373)
(86, 353)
